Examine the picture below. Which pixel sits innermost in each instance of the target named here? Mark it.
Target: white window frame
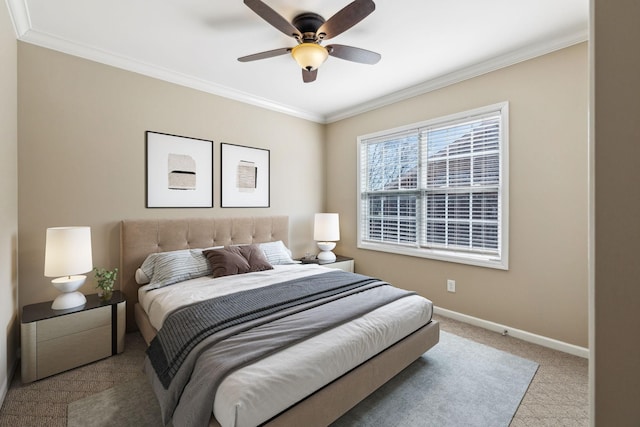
(499, 261)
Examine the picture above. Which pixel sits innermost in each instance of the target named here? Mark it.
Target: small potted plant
(105, 280)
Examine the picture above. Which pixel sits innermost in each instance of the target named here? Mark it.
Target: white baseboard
(516, 333)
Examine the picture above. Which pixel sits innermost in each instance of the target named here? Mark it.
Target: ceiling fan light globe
(309, 56)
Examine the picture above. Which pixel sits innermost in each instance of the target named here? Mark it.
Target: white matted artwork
(179, 171)
(245, 176)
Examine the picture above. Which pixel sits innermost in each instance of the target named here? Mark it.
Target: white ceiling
(425, 44)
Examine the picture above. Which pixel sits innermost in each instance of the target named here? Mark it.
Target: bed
(331, 397)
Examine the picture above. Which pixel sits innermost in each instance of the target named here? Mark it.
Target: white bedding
(246, 397)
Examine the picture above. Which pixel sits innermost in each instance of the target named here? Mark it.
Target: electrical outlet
(451, 285)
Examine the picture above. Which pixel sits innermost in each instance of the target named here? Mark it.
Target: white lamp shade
(326, 227)
(67, 251)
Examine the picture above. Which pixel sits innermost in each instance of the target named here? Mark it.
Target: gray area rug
(130, 404)
(457, 383)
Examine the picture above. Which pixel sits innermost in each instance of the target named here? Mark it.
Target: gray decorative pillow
(167, 268)
(277, 253)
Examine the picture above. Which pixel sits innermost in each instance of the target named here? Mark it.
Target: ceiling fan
(310, 30)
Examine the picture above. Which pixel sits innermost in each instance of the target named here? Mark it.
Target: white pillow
(277, 253)
(167, 268)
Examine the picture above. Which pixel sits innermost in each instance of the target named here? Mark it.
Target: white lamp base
(70, 297)
(68, 300)
(326, 254)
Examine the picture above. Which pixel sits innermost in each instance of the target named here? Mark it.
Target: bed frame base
(338, 397)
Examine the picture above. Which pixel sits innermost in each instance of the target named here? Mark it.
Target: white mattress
(246, 397)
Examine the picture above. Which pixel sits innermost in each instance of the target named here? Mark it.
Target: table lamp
(68, 254)
(326, 231)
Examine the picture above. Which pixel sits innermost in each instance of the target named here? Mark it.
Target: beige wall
(8, 201)
(81, 155)
(616, 113)
(545, 289)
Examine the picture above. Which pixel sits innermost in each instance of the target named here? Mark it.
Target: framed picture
(179, 171)
(245, 176)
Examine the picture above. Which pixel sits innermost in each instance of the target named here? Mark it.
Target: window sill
(489, 261)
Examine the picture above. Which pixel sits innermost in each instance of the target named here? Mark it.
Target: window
(438, 189)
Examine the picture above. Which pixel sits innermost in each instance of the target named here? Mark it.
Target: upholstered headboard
(139, 238)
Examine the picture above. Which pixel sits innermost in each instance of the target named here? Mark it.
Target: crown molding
(440, 82)
(22, 24)
(91, 53)
(19, 14)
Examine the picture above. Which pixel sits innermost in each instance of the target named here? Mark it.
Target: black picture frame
(179, 171)
(244, 176)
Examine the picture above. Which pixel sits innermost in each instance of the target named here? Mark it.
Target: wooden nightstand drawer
(66, 325)
(74, 350)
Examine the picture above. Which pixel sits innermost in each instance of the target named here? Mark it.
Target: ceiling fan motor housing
(308, 23)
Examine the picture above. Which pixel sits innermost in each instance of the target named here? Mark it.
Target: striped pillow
(277, 253)
(167, 268)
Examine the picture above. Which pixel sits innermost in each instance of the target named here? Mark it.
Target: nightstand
(57, 340)
(341, 263)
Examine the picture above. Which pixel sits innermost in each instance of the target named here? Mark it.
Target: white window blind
(392, 191)
(437, 189)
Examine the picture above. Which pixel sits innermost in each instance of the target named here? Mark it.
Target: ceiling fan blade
(265, 55)
(346, 18)
(273, 18)
(309, 76)
(354, 54)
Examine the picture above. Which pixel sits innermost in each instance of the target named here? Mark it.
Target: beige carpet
(557, 396)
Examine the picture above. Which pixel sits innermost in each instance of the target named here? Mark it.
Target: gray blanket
(187, 326)
(311, 305)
